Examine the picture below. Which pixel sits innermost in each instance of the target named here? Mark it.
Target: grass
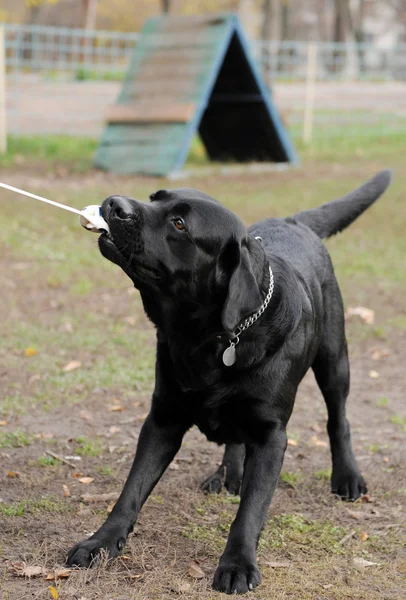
(88, 447)
(74, 152)
(291, 479)
(323, 475)
(14, 439)
(47, 461)
(37, 507)
(398, 420)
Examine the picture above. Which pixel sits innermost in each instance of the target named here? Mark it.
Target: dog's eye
(179, 223)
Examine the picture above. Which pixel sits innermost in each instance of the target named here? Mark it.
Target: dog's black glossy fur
(200, 274)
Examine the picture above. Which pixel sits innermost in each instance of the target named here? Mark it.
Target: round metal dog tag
(229, 356)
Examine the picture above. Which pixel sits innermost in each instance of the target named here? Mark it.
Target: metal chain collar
(229, 353)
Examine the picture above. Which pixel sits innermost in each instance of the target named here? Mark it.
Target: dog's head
(187, 247)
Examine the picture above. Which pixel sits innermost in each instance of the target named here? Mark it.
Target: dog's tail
(333, 217)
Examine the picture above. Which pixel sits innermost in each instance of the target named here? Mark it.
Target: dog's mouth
(125, 257)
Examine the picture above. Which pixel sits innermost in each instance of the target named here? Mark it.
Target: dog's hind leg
(331, 368)
(229, 472)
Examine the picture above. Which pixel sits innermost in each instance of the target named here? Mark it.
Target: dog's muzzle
(125, 220)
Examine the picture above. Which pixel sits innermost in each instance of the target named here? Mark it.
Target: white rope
(90, 217)
(57, 204)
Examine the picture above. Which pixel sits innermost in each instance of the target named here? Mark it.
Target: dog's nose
(119, 207)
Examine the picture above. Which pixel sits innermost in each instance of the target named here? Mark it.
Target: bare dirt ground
(60, 304)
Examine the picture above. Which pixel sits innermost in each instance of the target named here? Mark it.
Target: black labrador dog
(241, 315)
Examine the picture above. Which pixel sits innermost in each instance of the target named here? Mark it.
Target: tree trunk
(339, 21)
(166, 6)
(285, 19)
(89, 14)
(266, 20)
(266, 36)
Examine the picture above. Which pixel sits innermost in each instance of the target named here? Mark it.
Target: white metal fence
(61, 80)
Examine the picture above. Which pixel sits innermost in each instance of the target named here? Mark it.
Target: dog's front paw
(348, 485)
(236, 576)
(86, 552)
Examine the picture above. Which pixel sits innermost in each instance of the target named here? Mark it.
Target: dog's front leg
(238, 571)
(156, 448)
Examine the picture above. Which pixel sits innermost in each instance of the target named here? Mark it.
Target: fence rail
(61, 80)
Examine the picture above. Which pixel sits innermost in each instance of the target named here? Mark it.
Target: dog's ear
(243, 297)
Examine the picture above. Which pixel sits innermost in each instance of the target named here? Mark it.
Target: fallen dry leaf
(110, 507)
(378, 352)
(66, 491)
(58, 574)
(278, 565)
(316, 428)
(195, 571)
(86, 480)
(367, 498)
(292, 442)
(173, 466)
(180, 587)
(401, 567)
(72, 365)
(327, 586)
(13, 474)
(373, 374)
(3, 423)
(133, 576)
(316, 442)
(76, 475)
(113, 429)
(116, 408)
(86, 415)
(21, 569)
(41, 436)
(34, 378)
(130, 320)
(366, 314)
(54, 592)
(364, 536)
(361, 563)
(30, 352)
(355, 514)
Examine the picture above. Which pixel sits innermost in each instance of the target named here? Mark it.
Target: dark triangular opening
(237, 125)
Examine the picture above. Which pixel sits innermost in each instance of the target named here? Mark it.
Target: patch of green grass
(82, 74)
(47, 461)
(291, 478)
(398, 420)
(374, 447)
(14, 439)
(382, 402)
(212, 537)
(15, 509)
(88, 447)
(105, 470)
(323, 475)
(12, 405)
(37, 506)
(296, 531)
(74, 151)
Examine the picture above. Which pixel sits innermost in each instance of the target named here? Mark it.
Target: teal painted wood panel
(172, 63)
